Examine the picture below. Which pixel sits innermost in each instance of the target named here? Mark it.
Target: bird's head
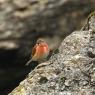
(40, 41)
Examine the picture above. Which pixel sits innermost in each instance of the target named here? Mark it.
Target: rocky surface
(22, 22)
(70, 71)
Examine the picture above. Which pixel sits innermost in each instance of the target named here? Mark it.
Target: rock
(71, 71)
(90, 22)
(22, 22)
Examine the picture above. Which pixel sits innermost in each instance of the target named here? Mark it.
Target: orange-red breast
(40, 51)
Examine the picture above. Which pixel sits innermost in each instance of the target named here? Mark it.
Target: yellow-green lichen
(20, 90)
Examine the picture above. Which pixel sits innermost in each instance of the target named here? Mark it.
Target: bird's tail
(28, 62)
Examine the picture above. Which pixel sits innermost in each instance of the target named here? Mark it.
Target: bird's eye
(38, 43)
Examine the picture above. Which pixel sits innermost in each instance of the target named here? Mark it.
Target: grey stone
(69, 72)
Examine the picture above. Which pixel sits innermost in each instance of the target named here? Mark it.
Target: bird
(40, 51)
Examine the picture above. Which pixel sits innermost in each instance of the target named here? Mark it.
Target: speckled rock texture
(22, 22)
(69, 71)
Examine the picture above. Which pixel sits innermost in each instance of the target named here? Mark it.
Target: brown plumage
(39, 52)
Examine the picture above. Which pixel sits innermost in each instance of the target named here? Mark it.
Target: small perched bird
(39, 52)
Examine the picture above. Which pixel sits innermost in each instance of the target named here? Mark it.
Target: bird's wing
(33, 50)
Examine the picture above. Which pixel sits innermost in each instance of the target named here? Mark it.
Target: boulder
(22, 22)
(69, 71)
